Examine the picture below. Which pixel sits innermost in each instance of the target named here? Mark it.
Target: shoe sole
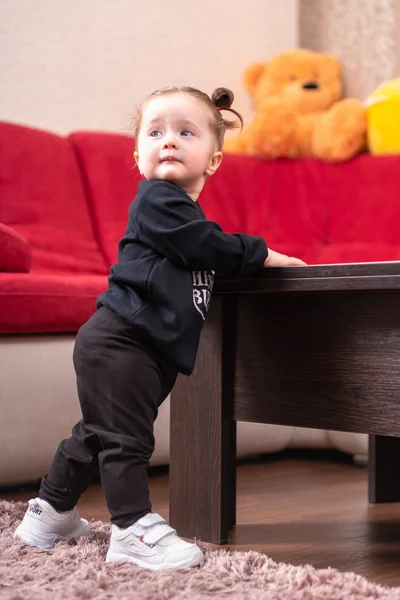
(194, 561)
(46, 541)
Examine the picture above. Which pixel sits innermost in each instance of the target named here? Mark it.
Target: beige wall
(397, 35)
(70, 64)
(363, 34)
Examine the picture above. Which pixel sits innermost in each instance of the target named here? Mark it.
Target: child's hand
(274, 259)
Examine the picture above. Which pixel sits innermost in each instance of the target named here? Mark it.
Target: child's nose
(170, 141)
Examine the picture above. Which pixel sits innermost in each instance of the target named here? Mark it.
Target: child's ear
(215, 161)
(136, 157)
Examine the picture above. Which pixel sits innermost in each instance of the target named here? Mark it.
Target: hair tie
(218, 108)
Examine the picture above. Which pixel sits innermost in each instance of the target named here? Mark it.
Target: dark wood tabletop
(313, 278)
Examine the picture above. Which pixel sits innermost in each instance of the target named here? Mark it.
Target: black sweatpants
(121, 383)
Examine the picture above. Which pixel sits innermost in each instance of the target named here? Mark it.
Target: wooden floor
(307, 509)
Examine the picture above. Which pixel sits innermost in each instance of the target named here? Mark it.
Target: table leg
(203, 434)
(383, 469)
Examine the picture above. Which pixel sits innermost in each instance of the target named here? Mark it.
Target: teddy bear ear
(333, 63)
(252, 74)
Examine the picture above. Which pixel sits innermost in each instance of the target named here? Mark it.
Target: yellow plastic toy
(383, 118)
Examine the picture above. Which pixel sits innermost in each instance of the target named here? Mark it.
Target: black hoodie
(164, 276)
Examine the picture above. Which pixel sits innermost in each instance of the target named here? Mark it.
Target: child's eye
(186, 133)
(155, 133)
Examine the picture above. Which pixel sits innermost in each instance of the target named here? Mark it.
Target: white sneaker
(42, 525)
(152, 544)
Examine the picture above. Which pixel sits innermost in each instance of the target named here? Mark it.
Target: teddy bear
(299, 111)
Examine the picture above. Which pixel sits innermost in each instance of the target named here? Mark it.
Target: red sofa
(64, 201)
(63, 207)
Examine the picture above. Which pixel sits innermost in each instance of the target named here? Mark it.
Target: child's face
(175, 142)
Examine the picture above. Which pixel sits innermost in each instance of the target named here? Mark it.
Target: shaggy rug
(77, 571)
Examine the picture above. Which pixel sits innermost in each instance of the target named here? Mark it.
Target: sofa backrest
(323, 213)
(111, 179)
(69, 196)
(42, 197)
(276, 200)
(362, 206)
(245, 195)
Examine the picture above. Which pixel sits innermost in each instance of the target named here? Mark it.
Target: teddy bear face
(309, 81)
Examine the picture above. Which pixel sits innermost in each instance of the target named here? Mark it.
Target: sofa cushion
(111, 179)
(40, 303)
(43, 199)
(15, 251)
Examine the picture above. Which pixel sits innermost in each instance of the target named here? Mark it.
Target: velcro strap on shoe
(157, 533)
(151, 519)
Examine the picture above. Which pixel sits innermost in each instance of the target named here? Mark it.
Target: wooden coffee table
(315, 346)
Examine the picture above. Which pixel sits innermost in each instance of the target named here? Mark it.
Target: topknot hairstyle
(221, 99)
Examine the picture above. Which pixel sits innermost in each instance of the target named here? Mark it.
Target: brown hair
(221, 99)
